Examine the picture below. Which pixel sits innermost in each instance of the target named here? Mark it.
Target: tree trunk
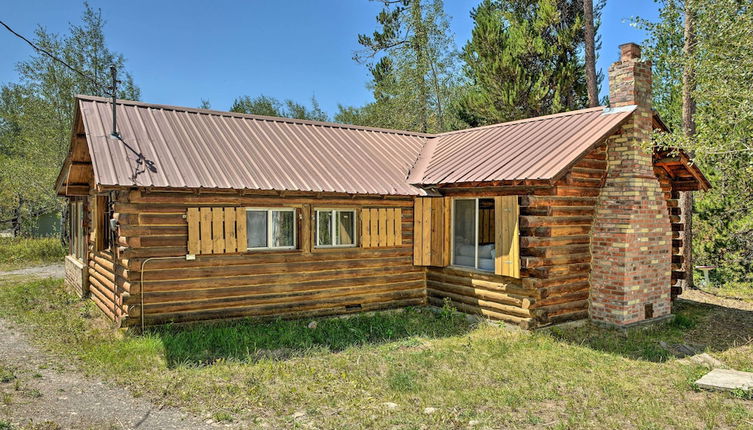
(16, 221)
(588, 18)
(688, 126)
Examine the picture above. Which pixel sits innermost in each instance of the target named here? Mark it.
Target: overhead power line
(51, 55)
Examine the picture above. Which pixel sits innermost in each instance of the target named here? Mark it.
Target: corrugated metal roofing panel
(208, 149)
(196, 148)
(535, 148)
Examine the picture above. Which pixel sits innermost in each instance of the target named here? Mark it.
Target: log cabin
(185, 214)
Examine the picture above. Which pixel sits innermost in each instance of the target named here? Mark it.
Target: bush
(16, 251)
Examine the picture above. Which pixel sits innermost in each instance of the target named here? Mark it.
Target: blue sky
(180, 52)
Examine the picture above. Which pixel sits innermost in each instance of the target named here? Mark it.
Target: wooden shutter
(431, 231)
(216, 230)
(507, 242)
(381, 227)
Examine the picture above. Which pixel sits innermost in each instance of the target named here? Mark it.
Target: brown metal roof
(196, 148)
(536, 148)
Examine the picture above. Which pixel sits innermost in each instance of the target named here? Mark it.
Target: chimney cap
(630, 51)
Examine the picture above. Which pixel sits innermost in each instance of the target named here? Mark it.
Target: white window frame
(269, 211)
(475, 234)
(332, 234)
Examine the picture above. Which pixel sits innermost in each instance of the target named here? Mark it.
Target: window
(272, 228)
(335, 227)
(473, 238)
(105, 233)
(76, 229)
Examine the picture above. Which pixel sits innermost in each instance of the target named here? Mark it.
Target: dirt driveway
(41, 391)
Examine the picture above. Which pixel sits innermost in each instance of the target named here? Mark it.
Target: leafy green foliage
(270, 106)
(413, 63)
(24, 251)
(524, 60)
(722, 145)
(36, 113)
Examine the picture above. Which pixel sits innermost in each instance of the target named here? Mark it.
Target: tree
(412, 61)
(37, 112)
(590, 52)
(270, 106)
(688, 127)
(719, 59)
(523, 60)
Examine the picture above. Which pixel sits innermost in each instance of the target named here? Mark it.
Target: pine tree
(412, 61)
(523, 60)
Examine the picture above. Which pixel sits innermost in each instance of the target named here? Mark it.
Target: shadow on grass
(702, 326)
(249, 340)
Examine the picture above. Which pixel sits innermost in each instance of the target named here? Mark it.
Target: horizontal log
(553, 251)
(522, 322)
(568, 315)
(538, 201)
(520, 301)
(531, 262)
(583, 172)
(260, 285)
(554, 282)
(249, 296)
(542, 242)
(578, 191)
(229, 314)
(578, 295)
(488, 304)
(474, 279)
(556, 231)
(271, 257)
(298, 268)
(557, 210)
(282, 277)
(207, 199)
(539, 221)
(554, 271)
(264, 309)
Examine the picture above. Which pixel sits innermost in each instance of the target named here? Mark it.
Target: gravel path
(49, 271)
(41, 389)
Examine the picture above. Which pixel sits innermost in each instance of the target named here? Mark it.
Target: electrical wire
(49, 54)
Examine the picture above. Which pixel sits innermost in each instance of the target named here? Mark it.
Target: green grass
(17, 252)
(734, 290)
(282, 374)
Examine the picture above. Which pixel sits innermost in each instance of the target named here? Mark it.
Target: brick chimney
(631, 236)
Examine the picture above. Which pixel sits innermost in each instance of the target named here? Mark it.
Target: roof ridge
(256, 117)
(524, 120)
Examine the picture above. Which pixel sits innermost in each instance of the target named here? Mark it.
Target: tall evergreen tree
(37, 112)
(721, 88)
(524, 60)
(412, 60)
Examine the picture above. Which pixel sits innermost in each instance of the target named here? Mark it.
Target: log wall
(286, 283)
(678, 229)
(493, 296)
(555, 241)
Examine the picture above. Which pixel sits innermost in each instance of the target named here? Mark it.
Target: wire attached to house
(51, 55)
